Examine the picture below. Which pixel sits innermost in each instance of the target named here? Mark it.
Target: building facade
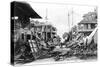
(88, 24)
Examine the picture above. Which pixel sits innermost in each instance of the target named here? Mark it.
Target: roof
(90, 14)
(89, 18)
(22, 9)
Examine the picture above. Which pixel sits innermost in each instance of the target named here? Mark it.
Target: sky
(58, 14)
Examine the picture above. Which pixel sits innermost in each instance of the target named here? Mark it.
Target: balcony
(85, 30)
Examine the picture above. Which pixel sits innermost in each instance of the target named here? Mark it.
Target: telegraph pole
(68, 21)
(46, 18)
(72, 25)
(72, 17)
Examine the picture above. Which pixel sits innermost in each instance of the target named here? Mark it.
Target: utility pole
(46, 18)
(72, 17)
(72, 25)
(68, 21)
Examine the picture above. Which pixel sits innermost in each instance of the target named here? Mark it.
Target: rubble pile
(32, 50)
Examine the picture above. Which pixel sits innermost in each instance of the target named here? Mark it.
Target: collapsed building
(83, 37)
(41, 30)
(20, 14)
(26, 35)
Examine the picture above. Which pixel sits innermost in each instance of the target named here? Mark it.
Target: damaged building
(88, 24)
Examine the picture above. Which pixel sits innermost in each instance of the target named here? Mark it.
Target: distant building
(88, 24)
